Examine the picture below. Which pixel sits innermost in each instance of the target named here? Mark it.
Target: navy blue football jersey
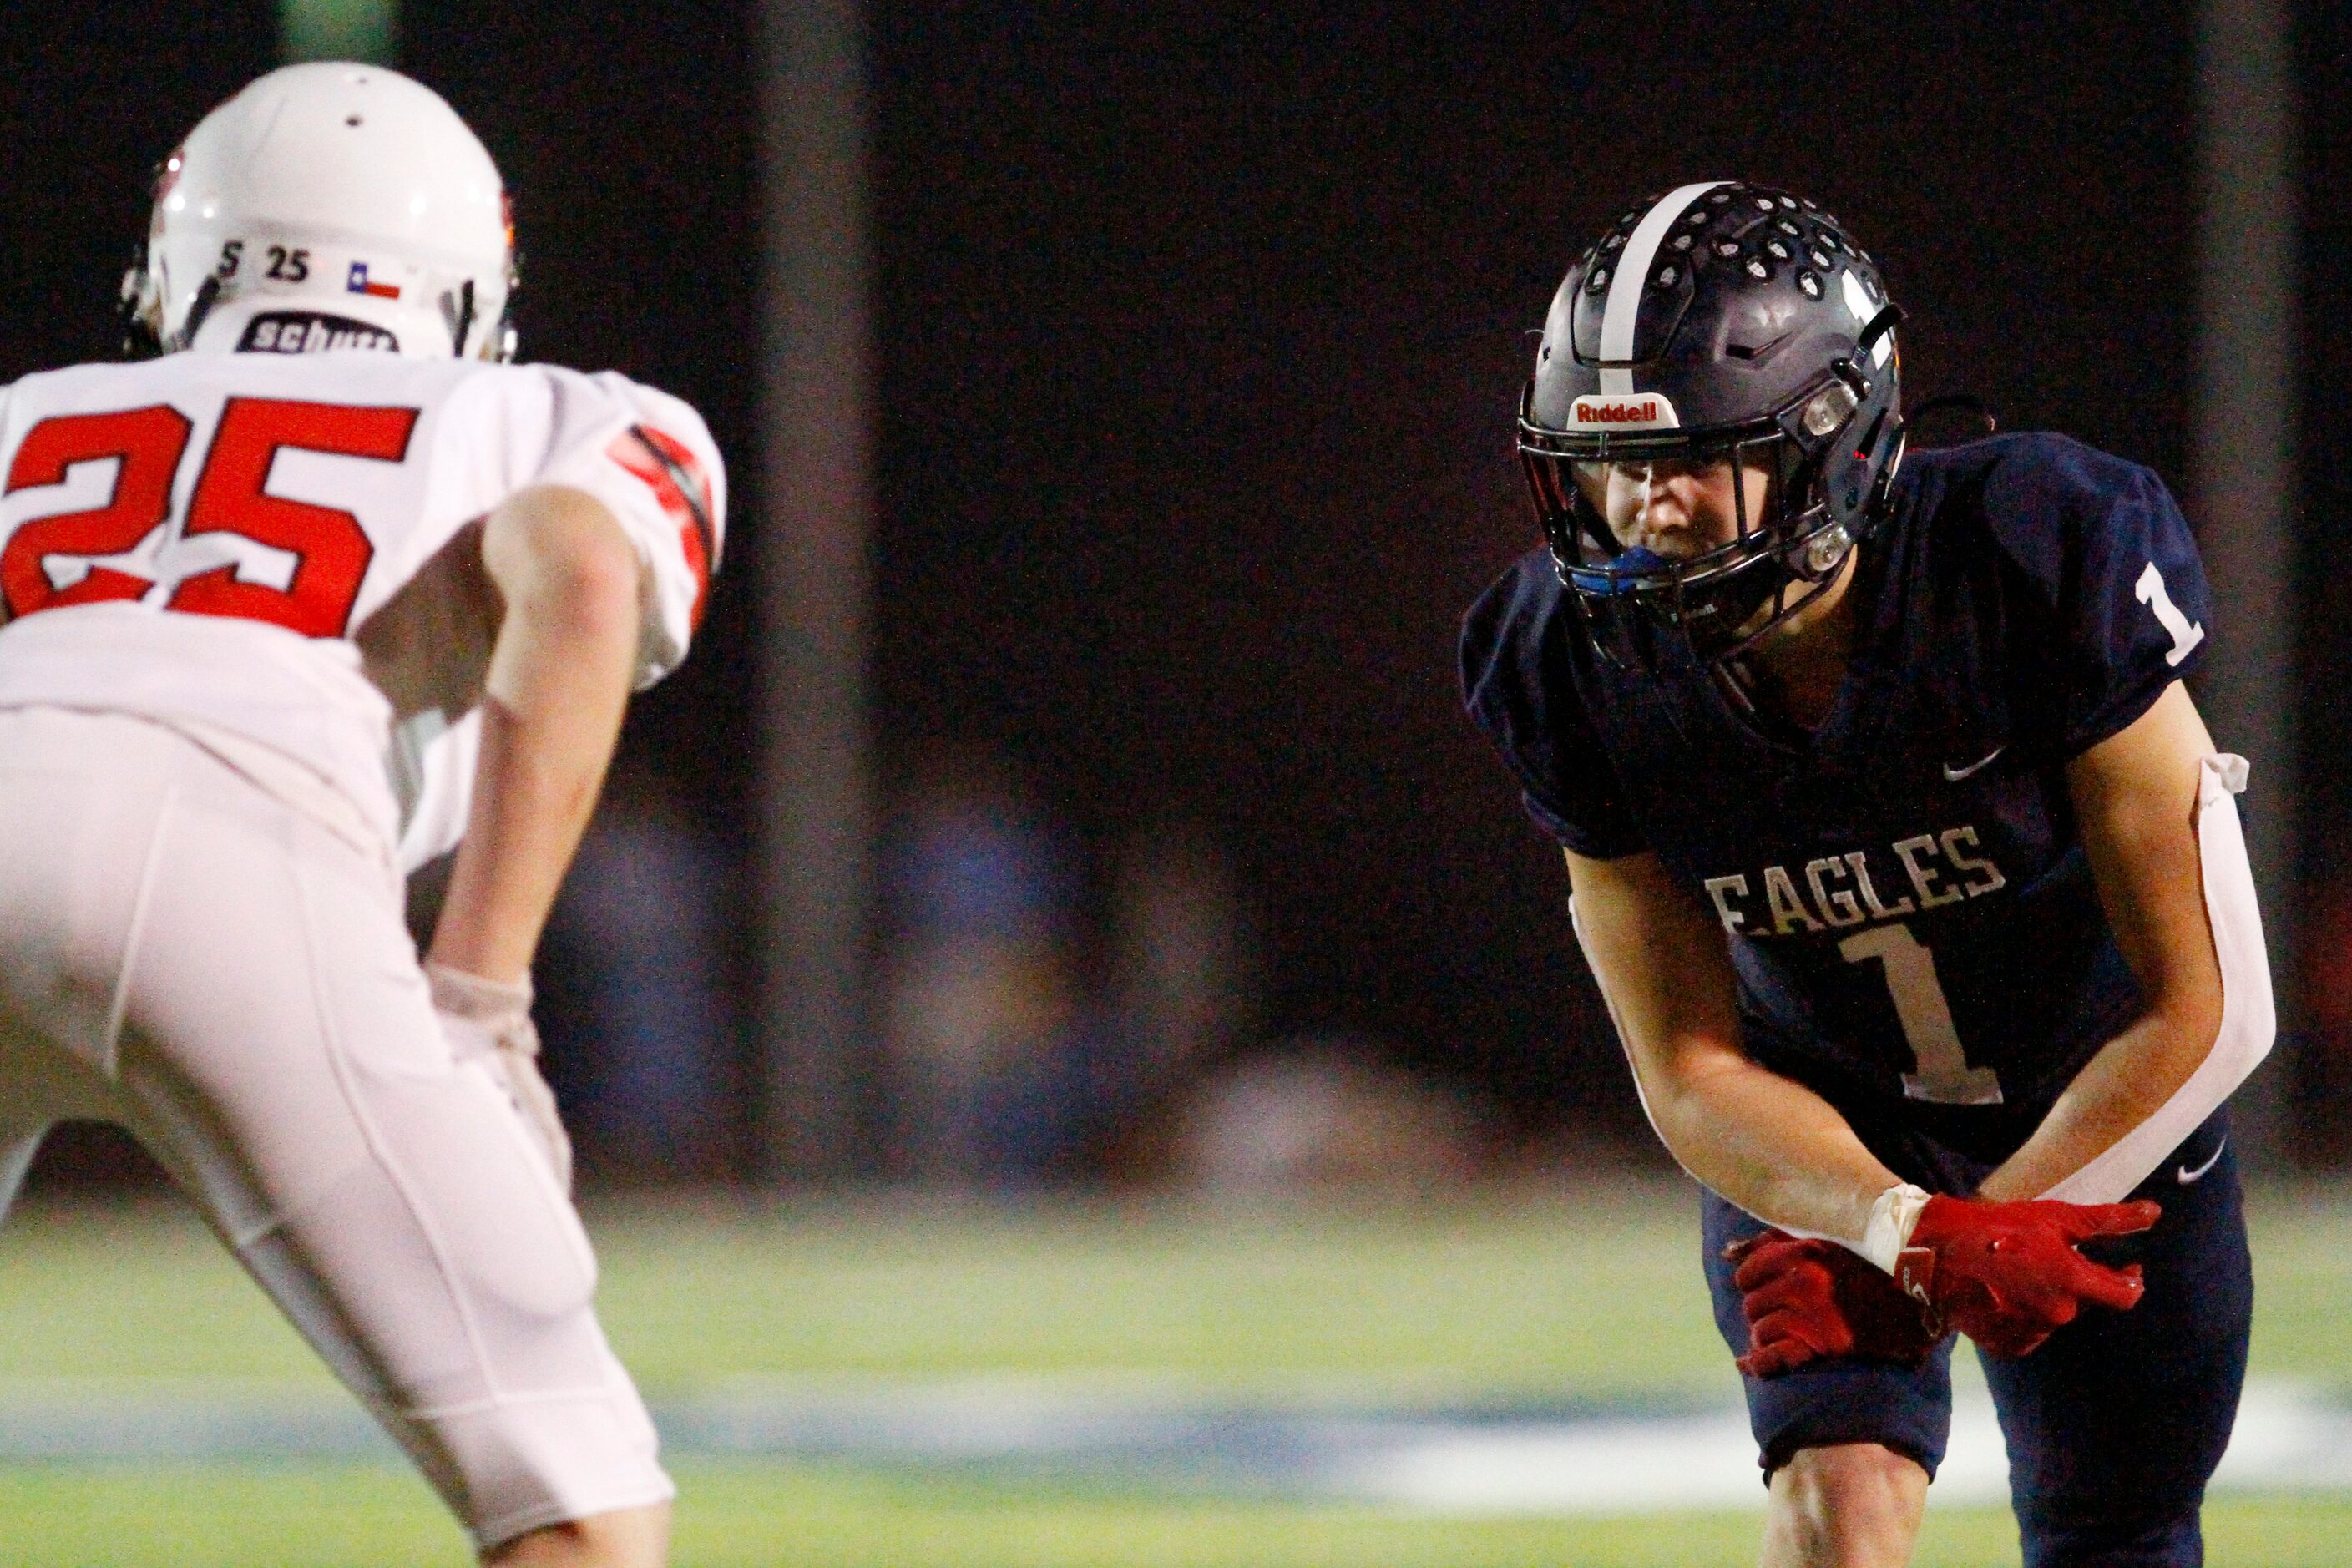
(1910, 910)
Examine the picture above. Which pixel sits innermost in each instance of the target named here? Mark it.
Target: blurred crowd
(1039, 1018)
(2325, 1060)
(1046, 1017)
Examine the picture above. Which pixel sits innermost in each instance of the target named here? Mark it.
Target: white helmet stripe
(1624, 304)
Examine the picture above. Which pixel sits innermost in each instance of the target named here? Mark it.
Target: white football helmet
(329, 205)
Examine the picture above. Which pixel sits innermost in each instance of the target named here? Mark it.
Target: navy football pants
(2113, 1426)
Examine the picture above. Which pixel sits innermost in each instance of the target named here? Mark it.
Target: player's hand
(490, 1021)
(1808, 1300)
(2008, 1275)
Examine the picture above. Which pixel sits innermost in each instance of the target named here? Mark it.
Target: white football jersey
(274, 546)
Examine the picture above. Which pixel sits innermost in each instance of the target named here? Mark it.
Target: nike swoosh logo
(1955, 775)
(2188, 1178)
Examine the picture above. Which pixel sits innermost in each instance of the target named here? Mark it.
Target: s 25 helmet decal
(1720, 322)
(327, 206)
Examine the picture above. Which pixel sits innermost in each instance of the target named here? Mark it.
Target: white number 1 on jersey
(2186, 634)
(1944, 1075)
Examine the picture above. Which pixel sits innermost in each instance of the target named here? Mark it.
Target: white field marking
(1426, 1456)
(1699, 1462)
(2288, 1437)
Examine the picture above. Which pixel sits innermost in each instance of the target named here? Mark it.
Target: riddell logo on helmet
(1642, 411)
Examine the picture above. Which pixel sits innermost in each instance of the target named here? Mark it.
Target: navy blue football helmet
(1722, 320)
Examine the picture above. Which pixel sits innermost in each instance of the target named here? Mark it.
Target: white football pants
(188, 955)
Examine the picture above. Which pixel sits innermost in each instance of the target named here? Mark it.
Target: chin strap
(208, 295)
(1892, 1219)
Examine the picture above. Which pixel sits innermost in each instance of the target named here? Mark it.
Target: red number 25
(331, 550)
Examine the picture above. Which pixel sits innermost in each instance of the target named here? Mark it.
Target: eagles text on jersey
(1909, 907)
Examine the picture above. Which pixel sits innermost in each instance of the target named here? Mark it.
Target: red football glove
(1806, 1300)
(2007, 1275)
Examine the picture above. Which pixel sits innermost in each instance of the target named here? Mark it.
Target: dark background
(1199, 332)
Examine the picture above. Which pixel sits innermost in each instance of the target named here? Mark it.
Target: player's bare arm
(1765, 1141)
(2136, 801)
(558, 681)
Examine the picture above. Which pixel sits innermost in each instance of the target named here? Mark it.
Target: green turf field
(737, 1517)
(1528, 1299)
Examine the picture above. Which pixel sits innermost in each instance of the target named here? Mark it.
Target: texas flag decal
(358, 284)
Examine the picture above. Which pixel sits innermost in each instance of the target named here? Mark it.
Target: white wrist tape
(490, 1021)
(1892, 1218)
(474, 998)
